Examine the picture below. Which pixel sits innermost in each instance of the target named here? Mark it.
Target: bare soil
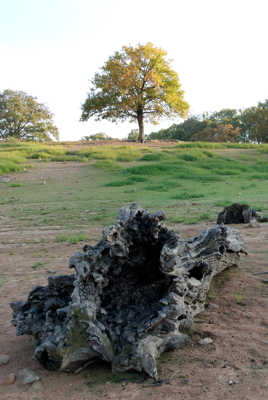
(234, 366)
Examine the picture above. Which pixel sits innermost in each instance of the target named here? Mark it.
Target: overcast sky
(52, 48)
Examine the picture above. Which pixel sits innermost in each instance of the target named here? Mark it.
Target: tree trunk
(133, 296)
(140, 122)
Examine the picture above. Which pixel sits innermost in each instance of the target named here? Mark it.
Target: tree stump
(133, 296)
(239, 214)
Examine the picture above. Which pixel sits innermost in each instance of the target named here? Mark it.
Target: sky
(51, 50)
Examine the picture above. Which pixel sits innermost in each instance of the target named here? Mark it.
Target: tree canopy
(136, 83)
(22, 117)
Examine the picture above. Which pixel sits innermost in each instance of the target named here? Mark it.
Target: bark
(141, 124)
(133, 296)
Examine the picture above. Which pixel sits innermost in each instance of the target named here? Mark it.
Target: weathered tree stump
(239, 214)
(133, 296)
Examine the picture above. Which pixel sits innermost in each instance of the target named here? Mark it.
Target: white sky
(52, 48)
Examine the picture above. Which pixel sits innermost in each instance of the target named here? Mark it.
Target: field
(56, 198)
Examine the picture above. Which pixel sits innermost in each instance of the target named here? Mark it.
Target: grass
(127, 181)
(187, 196)
(38, 264)
(14, 155)
(15, 184)
(191, 182)
(164, 186)
(154, 157)
(205, 216)
(176, 220)
(2, 280)
(109, 165)
(238, 298)
(223, 203)
(208, 145)
(71, 239)
(115, 153)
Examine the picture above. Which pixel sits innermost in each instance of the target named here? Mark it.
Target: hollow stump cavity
(133, 296)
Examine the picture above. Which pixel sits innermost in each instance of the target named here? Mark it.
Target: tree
(193, 125)
(133, 135)
(22, 117)
(255, 122)
(137, 84)
(226, 116)
(182, 131)
(97, 136)
(219, 133)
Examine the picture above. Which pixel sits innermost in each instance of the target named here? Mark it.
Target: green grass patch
(248, 186)
(38, 264)
(223, 203)
(206, 216)
(238, 298)
(10, 165)
(148, 170)
(201, 145)
(15, 184)
(116, 153)
(219, 146)
(176, 220)
(157, 188)
(2, 280)
(128, 181)
(65, 158)
(164, 185)
(110, 165)
(226, 172)
(98, 217)
(188, 157)
(71, 239)
(13, 154)
(187, 196)
(263, 149)
(177, 167)
(263, 177)
(159, 156)
(118, 183)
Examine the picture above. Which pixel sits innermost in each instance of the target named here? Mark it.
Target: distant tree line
(226, 125)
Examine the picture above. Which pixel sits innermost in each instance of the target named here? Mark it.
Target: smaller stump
(239, 214)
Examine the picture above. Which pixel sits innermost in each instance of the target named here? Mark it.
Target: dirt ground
(233, 366)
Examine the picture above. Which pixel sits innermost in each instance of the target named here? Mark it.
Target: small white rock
(27, 375)
(254, 224)
(213, 305)
(4, 359)
(206, 340)
(5, 179)
(232, 382)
